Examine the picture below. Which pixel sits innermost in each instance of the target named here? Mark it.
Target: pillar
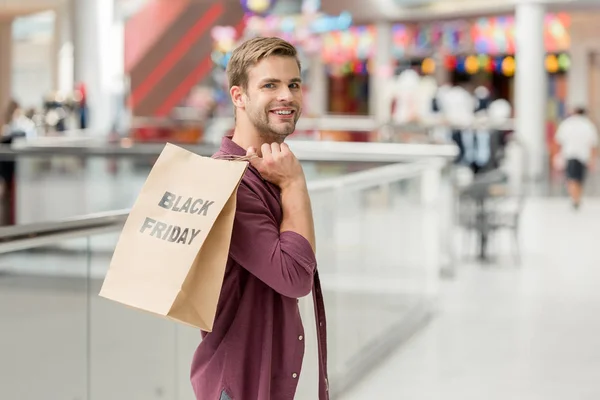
(62, 66)
(381, 75)
(442, 74)
(97, 58)
(5, 66)
(578, 77)
(531, 85)
(318, 87)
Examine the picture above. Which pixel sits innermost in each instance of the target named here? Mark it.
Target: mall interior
(452, 261)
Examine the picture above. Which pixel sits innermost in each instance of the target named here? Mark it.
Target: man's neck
(247, 139)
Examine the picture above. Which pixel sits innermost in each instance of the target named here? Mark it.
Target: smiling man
(260, 347)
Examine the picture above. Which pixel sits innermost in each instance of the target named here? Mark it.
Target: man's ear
(237, 97)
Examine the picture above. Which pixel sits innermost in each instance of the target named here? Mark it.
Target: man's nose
(284, 94)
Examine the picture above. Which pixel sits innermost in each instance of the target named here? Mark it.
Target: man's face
(273, 99)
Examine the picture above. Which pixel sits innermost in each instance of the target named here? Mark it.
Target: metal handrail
(35, 235)
(304, 150)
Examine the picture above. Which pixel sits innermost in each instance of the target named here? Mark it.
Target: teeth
(283, 112)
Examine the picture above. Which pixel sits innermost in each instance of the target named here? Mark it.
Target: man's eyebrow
(274, 80)
(269, 80)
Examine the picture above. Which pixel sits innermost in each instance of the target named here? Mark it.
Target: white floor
(511, 332)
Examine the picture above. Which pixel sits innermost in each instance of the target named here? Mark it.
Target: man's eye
(295, 86)
(269, 85)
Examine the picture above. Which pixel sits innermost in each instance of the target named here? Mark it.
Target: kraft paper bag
(171, 255)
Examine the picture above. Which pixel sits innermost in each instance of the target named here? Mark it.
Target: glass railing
(65, 177)
(381, 236)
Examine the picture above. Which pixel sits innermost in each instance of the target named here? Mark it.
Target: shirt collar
(228, 146)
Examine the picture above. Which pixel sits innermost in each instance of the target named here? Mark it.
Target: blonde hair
(251, 52)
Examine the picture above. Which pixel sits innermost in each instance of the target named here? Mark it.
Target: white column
(530, 84)
(381, 75)
(318, 87)
(5, 66)
(442, 74)
(62, 73)
(578, 75)
(98, 57)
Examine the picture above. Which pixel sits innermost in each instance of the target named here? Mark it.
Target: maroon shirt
(256, 348)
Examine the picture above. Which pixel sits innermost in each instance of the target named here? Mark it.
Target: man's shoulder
(253, 182)
(219, 154)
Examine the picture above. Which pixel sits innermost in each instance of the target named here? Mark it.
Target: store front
(492, 63)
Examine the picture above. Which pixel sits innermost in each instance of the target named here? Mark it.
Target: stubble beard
(268, 132)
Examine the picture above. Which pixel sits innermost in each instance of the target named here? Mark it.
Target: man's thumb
(253, 157)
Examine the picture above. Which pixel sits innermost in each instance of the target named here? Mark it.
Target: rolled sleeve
(298, 247)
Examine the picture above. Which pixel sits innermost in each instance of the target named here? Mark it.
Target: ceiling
(377, 10)
(13, 8)
(413, 10)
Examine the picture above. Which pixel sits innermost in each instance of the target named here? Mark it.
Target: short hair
(251, 52)
(580, 110)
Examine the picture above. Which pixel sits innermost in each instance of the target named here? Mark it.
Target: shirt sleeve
(284, 261)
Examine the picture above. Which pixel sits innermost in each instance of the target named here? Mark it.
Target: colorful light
(552, 63)
(564, 62)
(484, 60)
(460, 66)
(258, 7)
(509, 66)
(428, 66)
(471, 65)
(450, 62)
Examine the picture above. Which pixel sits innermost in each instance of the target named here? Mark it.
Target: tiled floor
(506, 331)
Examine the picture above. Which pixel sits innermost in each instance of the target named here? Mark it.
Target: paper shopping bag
(171, 255)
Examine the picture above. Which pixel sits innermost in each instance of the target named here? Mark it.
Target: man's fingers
(265, 149)
(251, 151)
(275, 149)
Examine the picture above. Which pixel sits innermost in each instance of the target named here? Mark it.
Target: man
(256, 350)
(578, 140)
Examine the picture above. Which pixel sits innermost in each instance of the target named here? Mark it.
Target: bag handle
(232, 157)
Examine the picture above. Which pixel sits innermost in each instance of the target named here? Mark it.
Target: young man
(578, 140)
(256, 350)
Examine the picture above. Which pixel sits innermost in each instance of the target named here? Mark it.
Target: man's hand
(277, 165)
(280, 166)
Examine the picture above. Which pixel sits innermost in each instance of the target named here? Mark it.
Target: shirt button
(294, 375)
(300, 337)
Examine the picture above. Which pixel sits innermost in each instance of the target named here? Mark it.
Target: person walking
(577, 138)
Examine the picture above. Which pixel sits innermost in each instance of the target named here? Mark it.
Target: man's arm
(297, 211)
(284, 261)
(280, 166)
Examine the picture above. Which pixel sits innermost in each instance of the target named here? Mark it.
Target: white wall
(585, 39)
(32, 74)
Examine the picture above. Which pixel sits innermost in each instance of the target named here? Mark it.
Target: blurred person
(82, 105)
(261, 346)
(12, 106)
(17, 123)
(577, 138)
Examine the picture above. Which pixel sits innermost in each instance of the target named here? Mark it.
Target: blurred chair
(486, 207)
